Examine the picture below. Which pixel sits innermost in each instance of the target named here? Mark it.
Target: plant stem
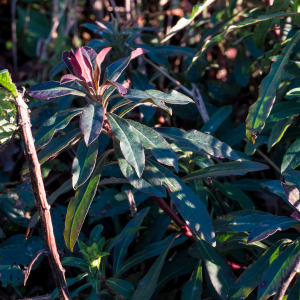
(293, 269)
(296, 4)
(170, 212)
(40, 197)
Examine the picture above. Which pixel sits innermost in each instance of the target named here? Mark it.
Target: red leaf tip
(137, 52)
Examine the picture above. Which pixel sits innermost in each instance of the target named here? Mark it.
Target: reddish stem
(185, 229)
(170, 212)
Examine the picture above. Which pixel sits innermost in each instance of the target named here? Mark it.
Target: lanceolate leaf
(253, 275)
(84, 163)
(130, 144)
(5, 81)
(216, 119)
(121, 287)
(59, 121)
(227, 169)
(193, 288)
(277, 270)
(91, 121)
(183, 22)
(149, 251)
(260, 110)
(150, 139)
(79, 205)
(53, 89)
(292, 177)
(284, 110)
(269, 227)
(187, 202)
(122, 246)
(278, 131)
(148, 283)
(198, 141)
(295, 291)
(172, 97)
(148, 183)
(220, 274)
(55, 146)
(292, 195)
(291, 158)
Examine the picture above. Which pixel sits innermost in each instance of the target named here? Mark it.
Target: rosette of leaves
(152, 175)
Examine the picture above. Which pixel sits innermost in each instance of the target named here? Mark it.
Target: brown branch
(293, 269)
(14, 33)
(40, 197)
(28, 270)
(44, 297)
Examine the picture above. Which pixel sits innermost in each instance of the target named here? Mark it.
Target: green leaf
(186, 201)
(216, 119)
(91, 121)
(148, 283)
(79, 289)
(95, 235)
(269, 227)
(150, 139)
(53, 89)
(121, 287)
(122, 246)
(218, 270)
(5, 81)
(253, 275)
(149, 251)
(262, 29)
(79, 205)
(75, 262)
(70, 281)
(15, 253)
(185, 21)
(193, 288)
(230, 28)
(227, 169)
(59, 121)
(290, 95)
(8, 115)
(54, 146)
(84, 163)
(260, 110)
(149, 183)
(284, 110)
(236, 194)
(172, 97)
(278, 131)
(291, 158)
(241, 64)
(292, 177)
(197, 141)
(130, 144)
(277, 271)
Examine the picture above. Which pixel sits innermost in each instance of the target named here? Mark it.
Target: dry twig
(40, 197)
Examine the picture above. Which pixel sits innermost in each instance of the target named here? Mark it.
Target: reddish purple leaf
(65, 56)
(107, 83)
(68, 78)
(76, 67)
(292, 195)
(295, 215)
(101, 55)
(86, 67)
(92, 56)
(137, 52)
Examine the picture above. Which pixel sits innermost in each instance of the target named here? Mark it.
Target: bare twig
(53, 30)
(200, 104)
(40, 197)
(131, 201)
(113, 4)
(293, 269)
(127, 9)
(14, 33)
(28, 270)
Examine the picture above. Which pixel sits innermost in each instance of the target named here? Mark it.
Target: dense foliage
(170, 160)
